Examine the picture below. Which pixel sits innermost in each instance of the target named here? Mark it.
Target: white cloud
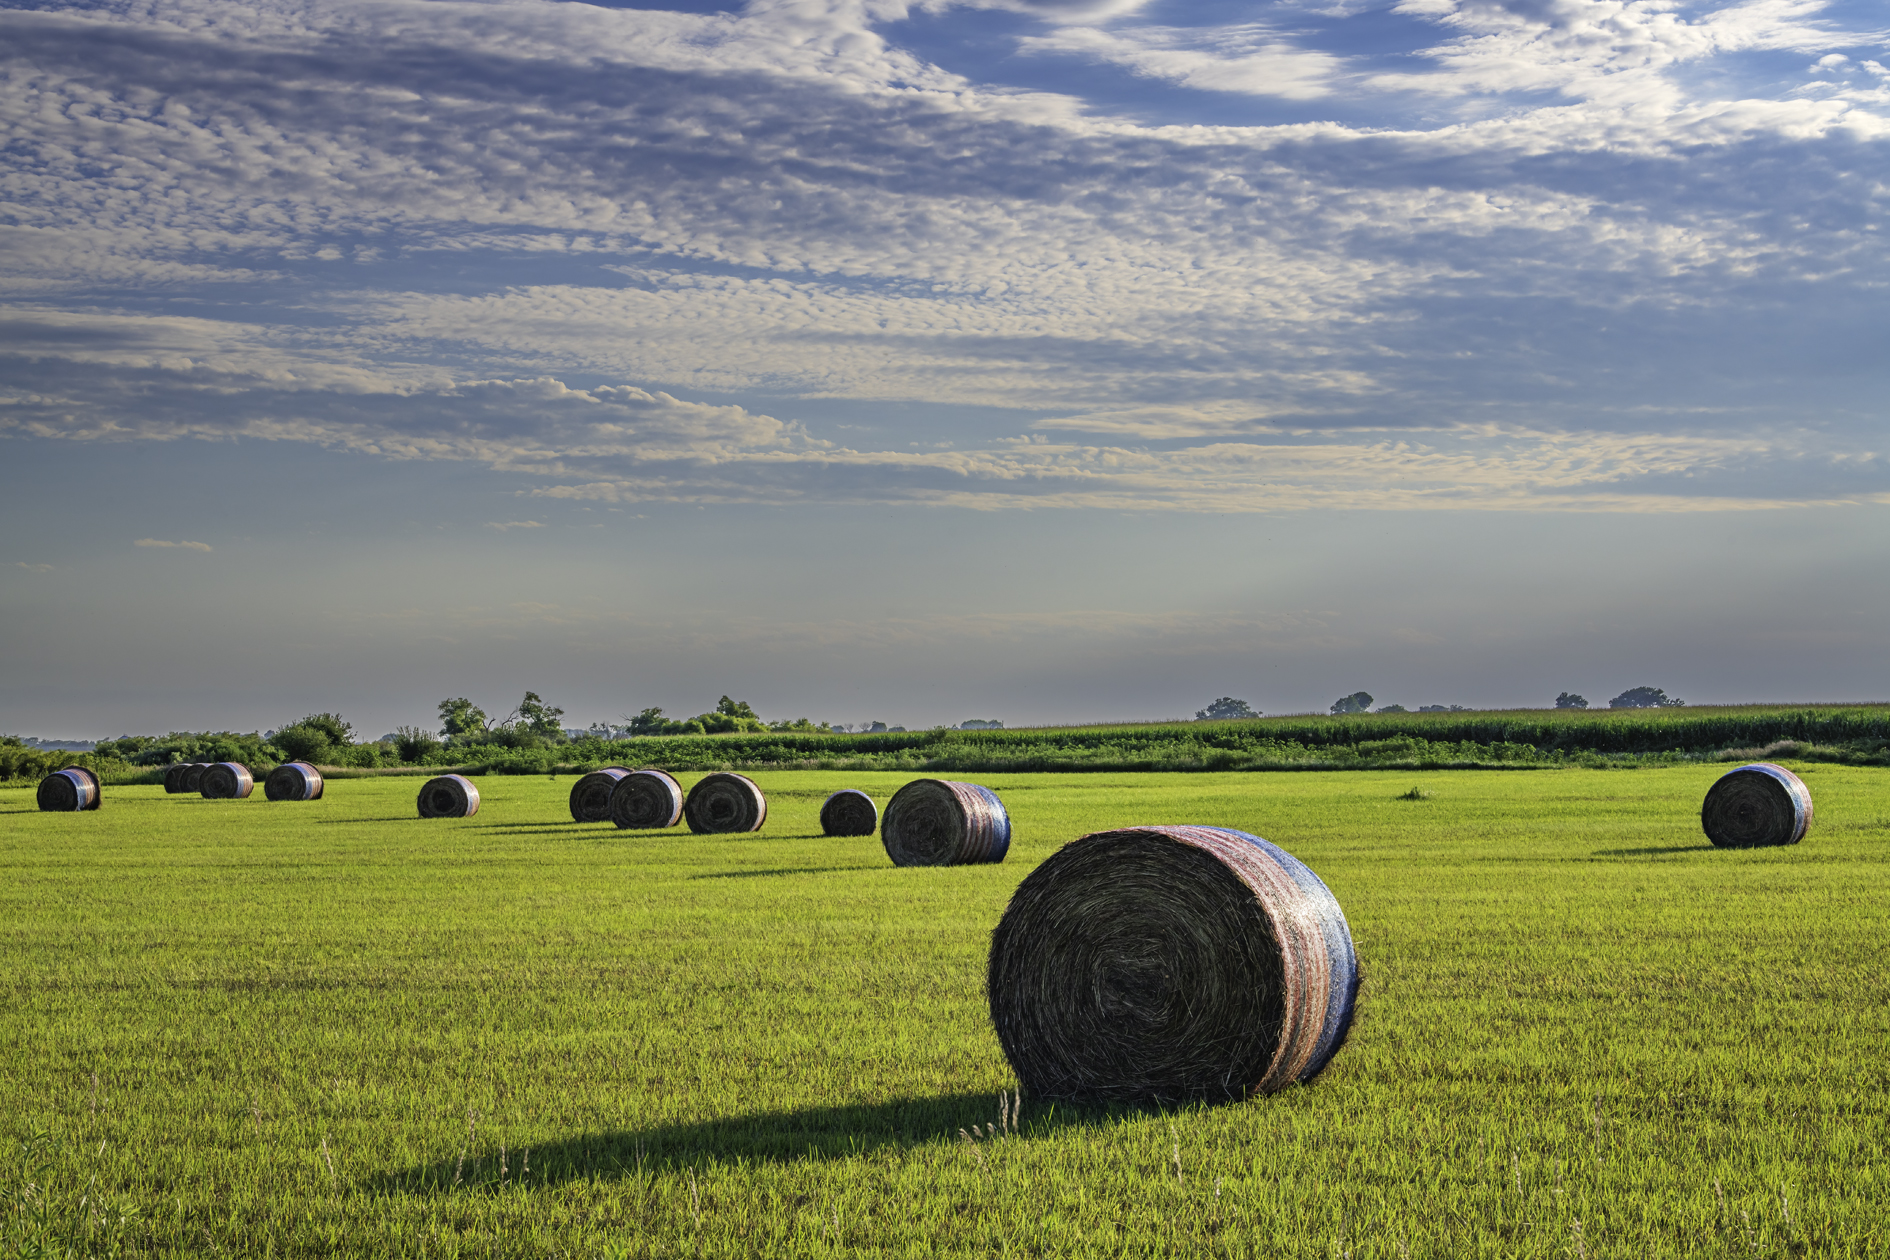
(34, 568)
(1250, 59)
(505, 525)
(186, 545)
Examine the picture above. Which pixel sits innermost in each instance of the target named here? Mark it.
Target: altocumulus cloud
(1569, 253)
(160, 542)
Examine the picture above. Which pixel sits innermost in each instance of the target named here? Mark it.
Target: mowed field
(244, 1028)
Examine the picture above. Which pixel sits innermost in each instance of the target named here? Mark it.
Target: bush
(412, 744)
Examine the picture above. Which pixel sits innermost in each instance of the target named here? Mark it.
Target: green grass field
(243, 1028)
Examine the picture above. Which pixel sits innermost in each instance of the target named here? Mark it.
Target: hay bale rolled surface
(68, 791)
(935, 822)
(645, 800)
(293, 781)
(724, 802)
(174, 776)
(192, 778)
(849, 812)
(227, 781)
(449, 796)
(590, 795)
(98, 789)
(1756, 806)
(1170, 965)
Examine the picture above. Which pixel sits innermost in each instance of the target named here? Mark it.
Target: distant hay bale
(449, 796)
(645, 800)
(590, 795)
(935, 822)
(1756, 806)
(1170, 965)
(175, 774)
(849, 812)
(192, 778)
(725, 802)
(293, 781)
(69, 791)
(226, 781)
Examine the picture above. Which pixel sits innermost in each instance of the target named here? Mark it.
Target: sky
(1025, 360)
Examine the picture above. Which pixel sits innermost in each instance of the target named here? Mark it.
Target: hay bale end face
(192, 778)
(645, 800)
(449, 796)
(590, 795)
(293, 781)
(68, 791)
(849, 812)
(1171, 965)
(177, 772)
(936, 822)
(1756, 806)
(725, 802)
(227, 781)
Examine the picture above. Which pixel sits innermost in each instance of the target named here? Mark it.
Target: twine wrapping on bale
(645, 800)
(192, 778)
(293, 781)
(449, 796)
(724, 802)
(1756, 806)
(227, 781)
(1171, 965)
(935, 822)
(174, 776)
(68, 791)
(848, 812)
(98, 789)
(590, 795)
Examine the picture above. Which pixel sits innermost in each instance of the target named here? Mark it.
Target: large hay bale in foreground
(1756, 806)
(590, 795)
(176, 773)
(68, 791)
(936, 822)
(848, 812)
(449, 796)
(293, 781)
(227, 781)
(645, 800)
(725, 802)
(1170, 965)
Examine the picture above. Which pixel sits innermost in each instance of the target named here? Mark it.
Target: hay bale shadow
(1655, 851)
(766, 1137)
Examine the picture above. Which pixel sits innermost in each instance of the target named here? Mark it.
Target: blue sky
(919, 362)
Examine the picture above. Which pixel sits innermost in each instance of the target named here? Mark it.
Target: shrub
(413, 744)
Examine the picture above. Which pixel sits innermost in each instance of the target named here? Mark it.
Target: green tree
(648, 722)
(1226, 709)
(538, 717)
(735, 709)
(460, 718)
(414, 744)
(1357, 702)
(1645, 698)
(1569, 700)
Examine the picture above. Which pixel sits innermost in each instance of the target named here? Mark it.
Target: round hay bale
(293, 781)
(645, 800)
(724, 802)
(849, 812)
(68, 791)
(192, 778)
(935, 822)
(227, 781)
(449, 796)
(1756, 806)
(174, 777)
(98, 789)
(590, 795)
(1170, 965)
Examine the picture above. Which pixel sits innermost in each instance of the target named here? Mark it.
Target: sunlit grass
(333, 1028)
